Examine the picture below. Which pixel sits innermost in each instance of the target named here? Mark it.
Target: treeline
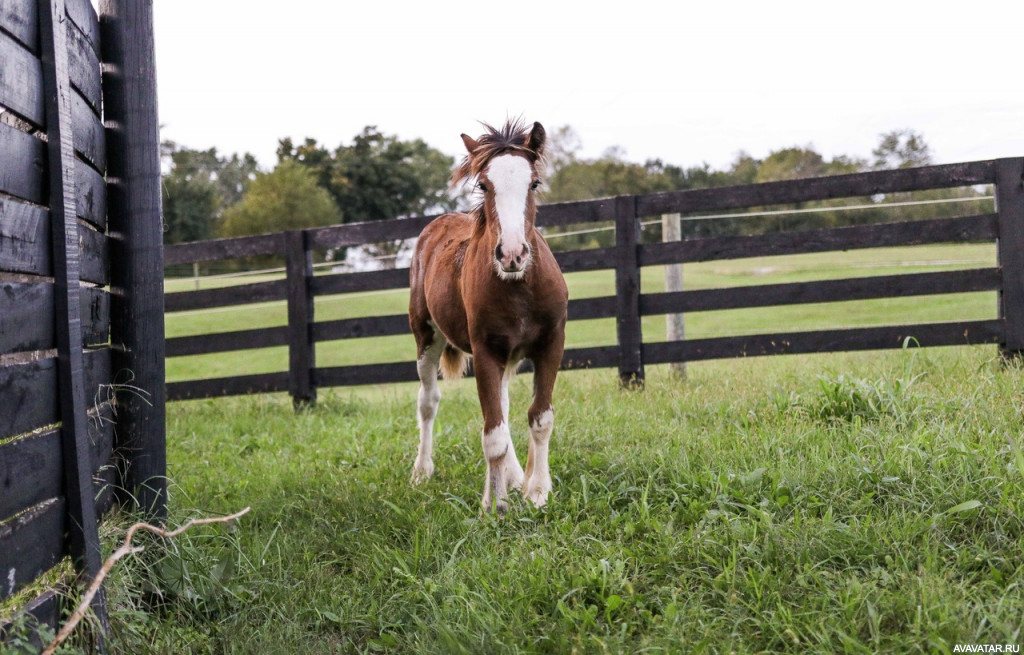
(378, 176)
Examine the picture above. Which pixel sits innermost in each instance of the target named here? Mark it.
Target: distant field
(768, 270)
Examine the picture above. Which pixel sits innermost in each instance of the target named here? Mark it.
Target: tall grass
(842, 503)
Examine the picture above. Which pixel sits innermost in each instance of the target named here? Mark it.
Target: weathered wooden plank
(1010, 205)
(965, 229)
(627, 292)
(20, 19)
(24, 238)
(223, 342)
(346, 376)
(231, 386)
(85, 69)
(593, 357)
(571, 213)
(95, 260)
(84, 17)
(23, 173)
(30, 391)
(25, 243)
(594, 259)
(230, 248)
(821, 188)
(90, 139)
(45, 610)
(836, 340)
(356, 234)
(590, 308)
(357, 328)
(27, 316)
(95, 316)
(31, 468)
(22, 164)
(243, 294)
(325, 285)
(31, 545)
(21, 81)
(31, 471)
(301, 349)
(91, 197)
(83, 534)
(137, 270)
(820, 291)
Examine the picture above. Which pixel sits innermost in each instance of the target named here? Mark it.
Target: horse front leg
(541, 416)
(496, 438)
(514, 475)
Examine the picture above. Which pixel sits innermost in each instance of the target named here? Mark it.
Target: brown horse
(486, 284)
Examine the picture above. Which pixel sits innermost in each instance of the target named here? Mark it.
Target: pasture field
(854, 503)
(769, 270)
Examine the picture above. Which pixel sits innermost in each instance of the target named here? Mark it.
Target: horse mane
(513, 136)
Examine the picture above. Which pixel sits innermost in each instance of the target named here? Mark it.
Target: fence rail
(628, 305)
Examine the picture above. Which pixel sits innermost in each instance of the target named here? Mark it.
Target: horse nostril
(497, 252)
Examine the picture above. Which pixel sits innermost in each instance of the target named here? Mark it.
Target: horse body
(487, 285)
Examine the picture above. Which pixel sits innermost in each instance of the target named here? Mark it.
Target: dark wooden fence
(78, 144)
(628, 305)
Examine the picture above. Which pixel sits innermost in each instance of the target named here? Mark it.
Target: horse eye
(482, 186)
(535, 185)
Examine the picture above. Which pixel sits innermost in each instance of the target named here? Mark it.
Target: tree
(198, 186)
(377, 176)
(901, 149)
(287, 198)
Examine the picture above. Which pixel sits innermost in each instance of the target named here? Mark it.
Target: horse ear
(538, 137)
(470, 143)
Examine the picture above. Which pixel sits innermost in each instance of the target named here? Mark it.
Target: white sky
(686, 82)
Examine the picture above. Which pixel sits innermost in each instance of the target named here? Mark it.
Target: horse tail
(454, 362)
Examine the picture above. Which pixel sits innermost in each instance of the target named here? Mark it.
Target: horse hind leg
(427, 401)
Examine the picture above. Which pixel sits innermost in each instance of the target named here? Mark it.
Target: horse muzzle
(512, 262)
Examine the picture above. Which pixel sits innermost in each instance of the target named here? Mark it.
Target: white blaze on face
(511, 177)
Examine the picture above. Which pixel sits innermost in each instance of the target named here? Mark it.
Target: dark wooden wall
(627, 257)
(61, 419)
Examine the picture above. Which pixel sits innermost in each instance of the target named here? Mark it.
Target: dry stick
(125, 549)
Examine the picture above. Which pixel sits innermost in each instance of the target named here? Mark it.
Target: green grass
(842, 503)
(854, 503)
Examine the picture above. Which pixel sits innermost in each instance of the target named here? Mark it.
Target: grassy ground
(852, 503)
(842, 503)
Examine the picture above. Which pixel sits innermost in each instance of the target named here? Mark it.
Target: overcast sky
(686, 82)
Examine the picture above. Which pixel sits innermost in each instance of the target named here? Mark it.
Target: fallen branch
(126, 548)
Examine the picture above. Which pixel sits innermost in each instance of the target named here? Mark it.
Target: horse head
(506, 164)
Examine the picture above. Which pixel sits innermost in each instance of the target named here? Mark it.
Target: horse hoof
(516, 482)
(536, 494)
(422, 472)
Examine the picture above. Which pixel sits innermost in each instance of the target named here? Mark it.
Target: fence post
(301, 348)
(1010, 205)
(627, 293)
(675, 325)
(135, 220)
(82, 520)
